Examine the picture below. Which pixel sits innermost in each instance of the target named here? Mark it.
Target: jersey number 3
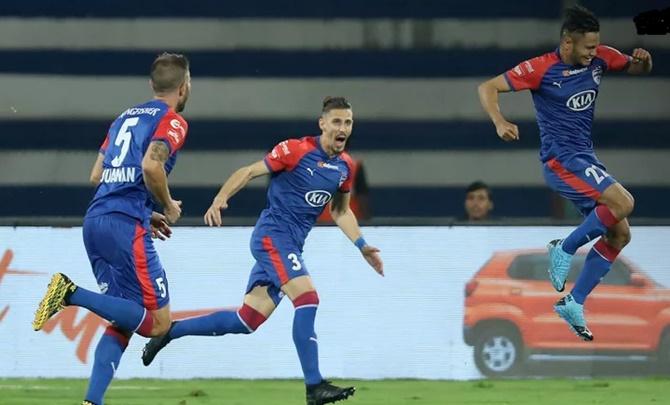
(123, 140)
(296, 263)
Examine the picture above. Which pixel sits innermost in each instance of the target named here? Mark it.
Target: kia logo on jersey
(582, 100)
(317, 198)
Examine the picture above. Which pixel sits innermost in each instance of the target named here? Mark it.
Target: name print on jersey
(118, 175)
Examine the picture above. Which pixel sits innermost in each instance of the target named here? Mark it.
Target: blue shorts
(124, 260)
(580, 178)
(278, 260)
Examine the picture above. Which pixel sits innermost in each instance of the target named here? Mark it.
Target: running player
(138, 153)
(564, 85)
(306, 174)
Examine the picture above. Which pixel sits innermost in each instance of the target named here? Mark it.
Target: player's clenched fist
(640, 55)
(213, 214)
(172, 211)
(507, 131)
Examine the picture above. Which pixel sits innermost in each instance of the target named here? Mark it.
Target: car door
(619, 313)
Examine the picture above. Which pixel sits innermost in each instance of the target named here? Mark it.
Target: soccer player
(564, 85)
(138, 153)
(306, 174)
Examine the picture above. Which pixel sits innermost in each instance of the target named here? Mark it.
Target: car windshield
(534, 267)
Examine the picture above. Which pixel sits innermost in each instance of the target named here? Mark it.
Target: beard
(180, 106)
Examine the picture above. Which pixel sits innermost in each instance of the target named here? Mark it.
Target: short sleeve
(285, 155)
(172, 129)
(347, 182)
(527, 75)
(615, 61)
(105, 144)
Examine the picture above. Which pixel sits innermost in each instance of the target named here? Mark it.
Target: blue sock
(107, 358)
(597, 265)
(304, 338)
(215, 324)
(594, 225)
(123, 313)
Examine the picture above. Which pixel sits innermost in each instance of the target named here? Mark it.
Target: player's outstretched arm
(346, 220)
(488, 97)
(96, 170)
(155, 178)
(641, 63)
(235, 183)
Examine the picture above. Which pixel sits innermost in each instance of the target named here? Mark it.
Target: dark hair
(168, 72)
(335, 103)
(580, 20)
(479, 185)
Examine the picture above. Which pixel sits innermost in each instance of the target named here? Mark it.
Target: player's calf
(243, 321)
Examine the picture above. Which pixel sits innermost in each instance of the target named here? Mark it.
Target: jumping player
(306, 174)
(564, 85)
(138, 153)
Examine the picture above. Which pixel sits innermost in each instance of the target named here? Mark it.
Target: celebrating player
(138, 153)
(306, 174)
(564, 85)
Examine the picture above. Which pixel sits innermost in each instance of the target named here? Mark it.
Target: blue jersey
(304, 179)
(564, 97)
(122, 187)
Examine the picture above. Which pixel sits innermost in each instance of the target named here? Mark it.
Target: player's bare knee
(251, 318)
(619, 238)
(626, 205)
(624, 237)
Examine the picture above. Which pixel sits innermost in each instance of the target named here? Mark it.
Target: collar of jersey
(323, 152)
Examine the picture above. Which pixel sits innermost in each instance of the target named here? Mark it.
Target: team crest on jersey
(582, 100)
(597, 74)
(317, 198)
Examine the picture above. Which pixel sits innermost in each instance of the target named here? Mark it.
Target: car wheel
(499, 352)
(663, 354)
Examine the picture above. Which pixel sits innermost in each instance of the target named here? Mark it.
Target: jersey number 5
(123, 140)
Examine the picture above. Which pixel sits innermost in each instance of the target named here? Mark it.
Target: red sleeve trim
(614, 59)
(528, 74)
(287, 154)
(105, 144)
(346, 186)
(172, 128)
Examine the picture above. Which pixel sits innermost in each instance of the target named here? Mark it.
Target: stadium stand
(410, 68)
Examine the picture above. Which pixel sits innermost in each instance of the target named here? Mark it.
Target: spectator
(478, 202)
